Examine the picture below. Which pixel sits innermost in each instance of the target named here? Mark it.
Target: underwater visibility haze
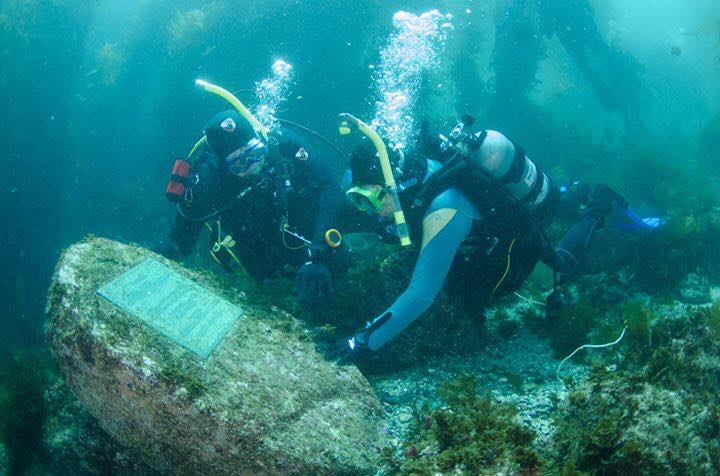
(374, 237)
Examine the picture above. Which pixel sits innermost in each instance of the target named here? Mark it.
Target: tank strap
(537, 187)
(515, 172)
(453, 169)
(481, 139)
(448, 176)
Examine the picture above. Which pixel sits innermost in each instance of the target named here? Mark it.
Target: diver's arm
(330, 193)
(447, 223)
(197, 203)
(323, 165)
(327, 216)
(320, 169)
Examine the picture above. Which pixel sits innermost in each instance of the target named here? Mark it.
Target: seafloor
(476, 390)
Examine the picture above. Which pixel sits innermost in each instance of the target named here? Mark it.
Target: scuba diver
(270, 200)
(474, 187)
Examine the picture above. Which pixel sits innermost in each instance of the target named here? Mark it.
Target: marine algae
(23, 412)
(470, 434)
(656, 417)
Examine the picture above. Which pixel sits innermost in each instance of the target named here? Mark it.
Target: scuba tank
(519, 176)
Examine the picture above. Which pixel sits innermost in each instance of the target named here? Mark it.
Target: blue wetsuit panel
(431, 268)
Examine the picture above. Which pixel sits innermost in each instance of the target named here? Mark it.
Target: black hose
(303, 128)
(316, 134)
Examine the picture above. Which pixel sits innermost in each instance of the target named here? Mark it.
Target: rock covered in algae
(694, 289)
(262, 401)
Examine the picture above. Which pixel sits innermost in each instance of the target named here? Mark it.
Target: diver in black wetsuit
(487, 191)
(268, 202)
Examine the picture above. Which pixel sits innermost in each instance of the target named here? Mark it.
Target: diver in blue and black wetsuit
(480, 187)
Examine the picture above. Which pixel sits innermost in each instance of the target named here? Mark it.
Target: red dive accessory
(179, 180)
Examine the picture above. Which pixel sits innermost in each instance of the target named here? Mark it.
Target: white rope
(531, 301)
(588, 346)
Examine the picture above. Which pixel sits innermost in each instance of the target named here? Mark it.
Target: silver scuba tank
(495, 156)
(507, 163)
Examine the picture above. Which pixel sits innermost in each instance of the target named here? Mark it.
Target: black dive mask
(240, 160)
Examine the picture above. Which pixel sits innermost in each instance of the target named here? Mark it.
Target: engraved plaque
(173, 305)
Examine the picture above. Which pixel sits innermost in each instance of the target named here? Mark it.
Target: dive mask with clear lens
(367, 199)
(240, 161)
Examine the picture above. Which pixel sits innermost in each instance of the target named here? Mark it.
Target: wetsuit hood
(227, 132)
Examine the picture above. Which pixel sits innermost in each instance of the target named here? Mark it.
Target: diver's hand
(343, 350)
(336, 349)
(313, 284)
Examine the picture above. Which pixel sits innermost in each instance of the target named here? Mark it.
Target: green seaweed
(508, 328)
(516, 381)
(23, 412)
(572, 326)
(638, 336)
(185, 377)
(642, 420)
(470, 434)
(712, 319)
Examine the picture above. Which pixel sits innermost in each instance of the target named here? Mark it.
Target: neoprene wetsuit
(447, 223)
(302, 189)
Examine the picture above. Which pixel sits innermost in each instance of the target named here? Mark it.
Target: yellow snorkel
(229, 97)
(347, 122)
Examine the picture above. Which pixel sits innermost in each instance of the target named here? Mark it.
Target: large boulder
(263, 401)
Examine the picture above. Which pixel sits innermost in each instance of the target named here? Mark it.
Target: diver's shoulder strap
(517, 167)
(196, 151)
(451, 174)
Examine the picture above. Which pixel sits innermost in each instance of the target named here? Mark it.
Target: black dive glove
(553, 304)
(354, 347)
(313, 284)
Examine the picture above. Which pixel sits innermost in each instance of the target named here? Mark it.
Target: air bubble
(273, 91)
(411, 50)
(281, 68)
